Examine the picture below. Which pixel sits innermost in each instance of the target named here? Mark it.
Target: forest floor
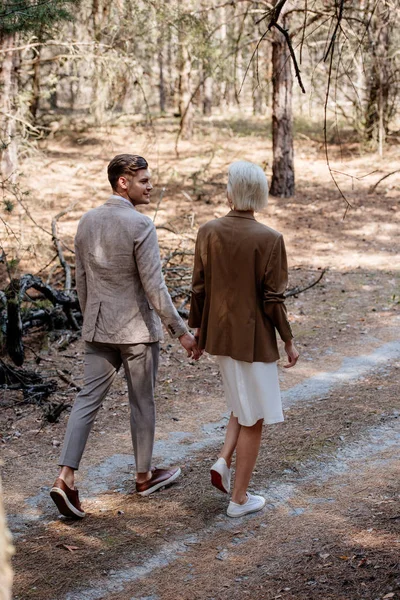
(330, 472)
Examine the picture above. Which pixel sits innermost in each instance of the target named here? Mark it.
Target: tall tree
(381, 80)
(185, 104)
(282, 183)
(8, 96)
(18, 18)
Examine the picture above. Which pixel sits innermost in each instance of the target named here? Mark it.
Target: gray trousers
(102, 362)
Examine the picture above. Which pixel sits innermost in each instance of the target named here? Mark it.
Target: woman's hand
(189, 342)
(292, 354)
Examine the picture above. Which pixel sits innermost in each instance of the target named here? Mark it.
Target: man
(123, 298)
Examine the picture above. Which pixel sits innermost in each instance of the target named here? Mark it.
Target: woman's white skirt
(251, 390)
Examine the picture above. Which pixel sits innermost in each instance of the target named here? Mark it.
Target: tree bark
(378, 83)
(34, 104)
(14, 343)
(161, 79)
(207, 96)
(257, 91)
(8, 142)
(282, 184)
(6, 551)
(185, 103)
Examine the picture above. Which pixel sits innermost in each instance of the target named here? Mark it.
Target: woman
(239, 281)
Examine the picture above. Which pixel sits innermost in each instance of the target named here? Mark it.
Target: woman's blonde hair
(247, 186)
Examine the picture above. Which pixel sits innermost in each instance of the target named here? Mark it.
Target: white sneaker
(253, 504)
(221, 476)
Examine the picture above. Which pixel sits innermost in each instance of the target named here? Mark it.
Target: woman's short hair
(247, 186)
(124, 164)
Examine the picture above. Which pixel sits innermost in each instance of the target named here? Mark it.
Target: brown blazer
(239, 280)
(120, 285)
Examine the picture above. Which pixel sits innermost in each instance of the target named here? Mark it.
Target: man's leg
(101, 365)
(141, 363)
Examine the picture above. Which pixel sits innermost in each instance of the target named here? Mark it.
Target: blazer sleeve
(147, 255)
(275, 283)
(198, 289)
(80, 278)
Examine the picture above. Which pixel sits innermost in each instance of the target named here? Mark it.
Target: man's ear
(123, 182)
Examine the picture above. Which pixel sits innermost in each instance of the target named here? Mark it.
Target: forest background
(193, 85)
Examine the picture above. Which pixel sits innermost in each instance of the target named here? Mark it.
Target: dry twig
(298, 290)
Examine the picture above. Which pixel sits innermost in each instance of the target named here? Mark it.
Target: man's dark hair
(124, 164)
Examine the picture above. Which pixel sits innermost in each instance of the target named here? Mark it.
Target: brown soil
(344, 548)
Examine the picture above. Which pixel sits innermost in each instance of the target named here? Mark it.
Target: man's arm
(80, 279)
(147, 255)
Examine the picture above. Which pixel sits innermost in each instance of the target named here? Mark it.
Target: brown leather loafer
(66, 500)
(159, 478)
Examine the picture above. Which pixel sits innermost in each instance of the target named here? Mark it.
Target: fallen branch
(35, 388)
(58, 247)
(14, 345)
(53, 410)
(298, 290)
(55, 296)
(64, 377)
(373, 187)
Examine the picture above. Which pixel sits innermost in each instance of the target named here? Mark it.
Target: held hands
(292, 354)
(189, 342)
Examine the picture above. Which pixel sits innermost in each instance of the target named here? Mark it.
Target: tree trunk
(100, 88)
(185, 101)
(378, 85)
(207, 96)
(34, 104)
(14, 343)
(8, 93)
(282, 184)
(6, 551)
(161, 80)
(257, 90)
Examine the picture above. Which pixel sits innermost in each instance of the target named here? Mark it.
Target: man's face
(137, 187)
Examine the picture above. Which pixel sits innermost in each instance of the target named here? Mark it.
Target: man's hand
(188, 341)
(292, 354)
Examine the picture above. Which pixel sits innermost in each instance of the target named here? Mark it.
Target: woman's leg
(231, 438)
(248, 445)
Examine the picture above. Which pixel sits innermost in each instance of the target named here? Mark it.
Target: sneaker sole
(216, 481)
(243, 514)
(161, 484)
(64, 506)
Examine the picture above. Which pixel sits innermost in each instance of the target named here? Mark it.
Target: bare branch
(373, 188)
(298, 290)
(57, 244)
(292, 54)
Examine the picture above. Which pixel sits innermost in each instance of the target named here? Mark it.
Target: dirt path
(321, 472)
(330, 472)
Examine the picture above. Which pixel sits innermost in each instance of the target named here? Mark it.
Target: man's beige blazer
(120, 285)
(239, 281)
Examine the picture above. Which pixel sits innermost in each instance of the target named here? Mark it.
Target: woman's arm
(198, 289)
(275, 284)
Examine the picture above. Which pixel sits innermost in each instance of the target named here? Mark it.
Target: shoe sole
(248, 512)
(64, 506)
(161, 484)
(216, 481)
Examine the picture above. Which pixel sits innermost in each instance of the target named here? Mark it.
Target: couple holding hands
(237, 304)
